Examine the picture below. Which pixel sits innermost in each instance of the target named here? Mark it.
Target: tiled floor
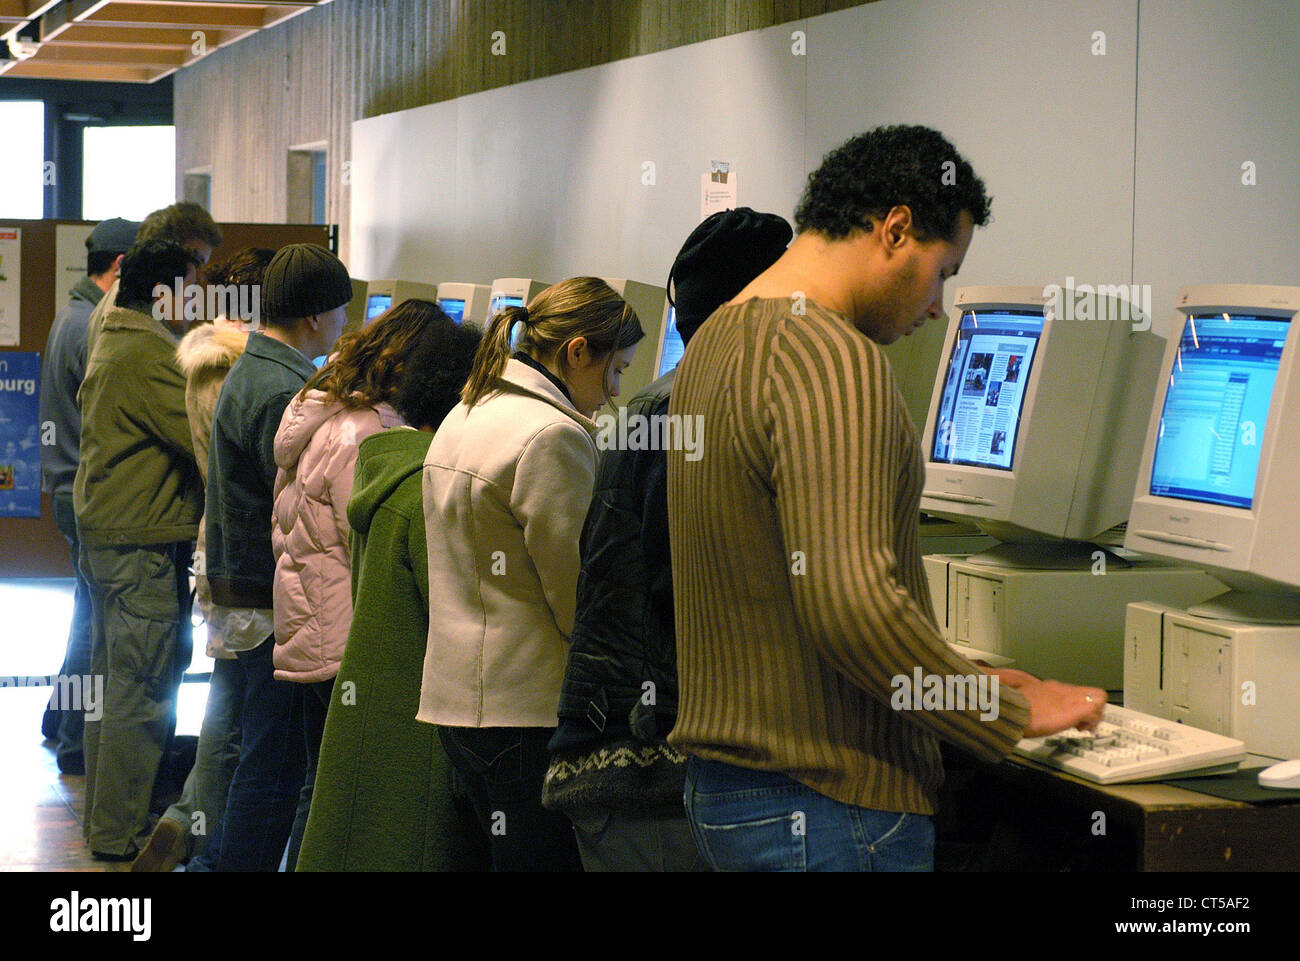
(41, 809)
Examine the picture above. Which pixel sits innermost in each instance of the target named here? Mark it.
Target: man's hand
(1054, 706)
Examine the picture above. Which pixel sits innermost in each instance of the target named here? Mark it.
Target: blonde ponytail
(578, 307)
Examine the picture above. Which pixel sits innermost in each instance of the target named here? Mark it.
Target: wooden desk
(1022, 816)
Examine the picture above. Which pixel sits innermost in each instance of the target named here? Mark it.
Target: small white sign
(718, 189)
(11, 272)
(69, 259)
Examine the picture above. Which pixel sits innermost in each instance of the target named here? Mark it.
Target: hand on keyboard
(1054, 706)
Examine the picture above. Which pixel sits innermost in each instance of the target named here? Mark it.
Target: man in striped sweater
(800, 594)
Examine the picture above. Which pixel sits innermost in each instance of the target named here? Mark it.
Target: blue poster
(20, 441)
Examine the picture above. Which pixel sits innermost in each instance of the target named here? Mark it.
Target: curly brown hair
(366, 366)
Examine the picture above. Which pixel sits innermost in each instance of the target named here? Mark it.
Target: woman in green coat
(383, 799)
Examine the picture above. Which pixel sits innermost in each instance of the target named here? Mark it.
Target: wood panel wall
(241, 109)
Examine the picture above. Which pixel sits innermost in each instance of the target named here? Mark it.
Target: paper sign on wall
(69, 259)
(717, 189)
(20, 442)
(11, 272)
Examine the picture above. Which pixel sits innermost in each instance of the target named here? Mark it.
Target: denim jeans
(62, 724)
(747, 820)
(503, 768)
(315, 705)
(208, 784)
(264, 791)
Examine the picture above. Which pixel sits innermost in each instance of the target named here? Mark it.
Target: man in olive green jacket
(138, 500)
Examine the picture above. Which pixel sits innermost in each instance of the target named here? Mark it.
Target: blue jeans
(264, 791)
(208, 784)
(747, 820)
(60, 723)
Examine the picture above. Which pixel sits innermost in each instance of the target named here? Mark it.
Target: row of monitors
(478, 303)
(1043, 425)
(1039, 423)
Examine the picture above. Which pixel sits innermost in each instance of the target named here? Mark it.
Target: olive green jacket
(137, 482)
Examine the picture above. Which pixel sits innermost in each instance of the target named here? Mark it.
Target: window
(198, 187)
(306, 184)
(129, 171)
(22, 161)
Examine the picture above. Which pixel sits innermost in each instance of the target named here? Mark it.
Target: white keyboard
(1129, 746)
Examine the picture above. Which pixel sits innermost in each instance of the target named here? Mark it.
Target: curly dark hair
(146, 265)
(365, 367)
(867, 176)
(436, 371)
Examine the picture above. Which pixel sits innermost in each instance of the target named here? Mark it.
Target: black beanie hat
(721, 256)
(302, 280)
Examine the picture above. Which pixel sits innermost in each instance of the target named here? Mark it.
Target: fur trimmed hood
(209, 347)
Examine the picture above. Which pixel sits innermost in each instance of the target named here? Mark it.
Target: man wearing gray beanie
(304, 293)
(612, 771)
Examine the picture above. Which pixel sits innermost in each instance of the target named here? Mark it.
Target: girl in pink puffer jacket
(316, 451)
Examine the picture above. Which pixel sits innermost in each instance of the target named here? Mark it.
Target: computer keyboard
(1129, 746)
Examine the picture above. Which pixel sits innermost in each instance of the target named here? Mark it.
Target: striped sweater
(799, 590)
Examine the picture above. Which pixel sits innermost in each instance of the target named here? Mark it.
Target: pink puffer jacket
(316, 451)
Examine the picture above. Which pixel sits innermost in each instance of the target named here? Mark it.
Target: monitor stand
(1251, 607)
(1050, 556)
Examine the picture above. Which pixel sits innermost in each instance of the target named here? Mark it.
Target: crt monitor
(356, 309)
(465, 303)
(376, 304)
(1218, 480)
(671, 346)
(1032, 433)
(647, 302)
(513, 292)
(384, 294)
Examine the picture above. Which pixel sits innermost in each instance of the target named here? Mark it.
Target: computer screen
(501, 302)
(376, 304)
(984, 389)
(1216, 408)
(453, 307)
(672, 347)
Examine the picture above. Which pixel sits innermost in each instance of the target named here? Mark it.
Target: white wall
(1122, 168)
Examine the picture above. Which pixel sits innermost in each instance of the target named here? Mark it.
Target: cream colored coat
(507, 485)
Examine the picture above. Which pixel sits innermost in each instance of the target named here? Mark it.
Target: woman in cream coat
(507, 483)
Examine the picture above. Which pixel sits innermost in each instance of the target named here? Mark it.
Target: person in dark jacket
(61, 375)
(304, 293)
(382, 800)
(612, 771)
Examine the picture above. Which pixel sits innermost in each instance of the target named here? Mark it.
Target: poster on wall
(69, 259)
(11, 272)
(718, 189)
(20, 441)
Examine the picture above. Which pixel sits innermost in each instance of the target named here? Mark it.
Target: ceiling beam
(52, 70)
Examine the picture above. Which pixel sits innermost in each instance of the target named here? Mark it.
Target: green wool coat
(382, 799)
